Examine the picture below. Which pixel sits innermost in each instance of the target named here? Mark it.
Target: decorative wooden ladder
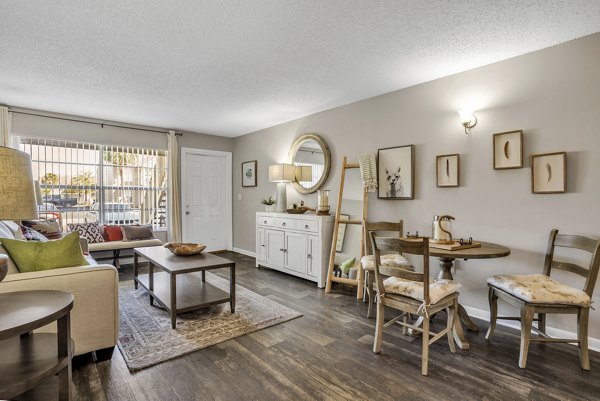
(359, 280)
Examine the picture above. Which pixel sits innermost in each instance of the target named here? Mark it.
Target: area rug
(146, 337)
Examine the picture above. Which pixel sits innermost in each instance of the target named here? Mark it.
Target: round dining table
(487, 250)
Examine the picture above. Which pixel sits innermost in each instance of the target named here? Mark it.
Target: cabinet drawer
(310, 226)
(265, 221)
(282, 222)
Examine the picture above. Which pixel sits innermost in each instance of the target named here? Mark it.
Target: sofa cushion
(136, 233)
(113, 233)
(48, 228)
(10, 229)
(539, 288)
(438, 288)
(113, 245)
(89, 231)
(32, 256)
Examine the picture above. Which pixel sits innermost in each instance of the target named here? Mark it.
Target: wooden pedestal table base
(487, 250)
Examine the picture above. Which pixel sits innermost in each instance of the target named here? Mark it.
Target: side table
(26, 358)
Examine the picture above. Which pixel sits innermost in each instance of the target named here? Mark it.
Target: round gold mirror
(310, 154)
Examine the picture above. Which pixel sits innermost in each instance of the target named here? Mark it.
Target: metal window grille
(84, 182)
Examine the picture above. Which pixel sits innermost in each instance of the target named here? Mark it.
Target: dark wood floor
(326, 355)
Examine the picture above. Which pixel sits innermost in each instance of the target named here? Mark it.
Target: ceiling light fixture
(467, 119)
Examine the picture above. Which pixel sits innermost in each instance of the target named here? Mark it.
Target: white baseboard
(593, 343)
(244, 252)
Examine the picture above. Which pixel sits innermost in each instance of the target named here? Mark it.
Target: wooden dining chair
(389, 262)
(540, 294)
(413, 293)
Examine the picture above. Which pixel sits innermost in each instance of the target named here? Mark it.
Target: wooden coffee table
(188, 292)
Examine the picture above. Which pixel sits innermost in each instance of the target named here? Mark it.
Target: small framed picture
(249, 174)
(549, 173)
(508, 150)
(396, 172)
(339, 244)
(447, 170)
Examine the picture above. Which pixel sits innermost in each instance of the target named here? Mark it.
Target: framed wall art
(549, 173)
(396, 172)
(508, 150)
(447, 168)
(339, 243)
(249, 174)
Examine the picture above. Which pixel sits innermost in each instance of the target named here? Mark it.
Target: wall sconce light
(467, 119)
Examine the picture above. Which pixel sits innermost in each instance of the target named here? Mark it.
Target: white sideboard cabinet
(294, 244)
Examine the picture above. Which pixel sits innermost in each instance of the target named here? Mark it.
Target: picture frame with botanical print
(249, 173)
(508, 150)
(447, 169)
(549, 173)
(396, 172)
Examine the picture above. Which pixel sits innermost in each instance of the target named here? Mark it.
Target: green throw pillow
(345, 267)
(32, 256)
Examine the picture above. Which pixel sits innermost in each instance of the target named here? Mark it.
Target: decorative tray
(296, 211)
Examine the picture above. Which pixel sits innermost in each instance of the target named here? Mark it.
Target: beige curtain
(5, 138)
(174, 193)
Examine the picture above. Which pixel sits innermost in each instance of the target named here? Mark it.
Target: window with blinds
(84, 182)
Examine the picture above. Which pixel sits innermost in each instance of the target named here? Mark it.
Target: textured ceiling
(230, 67)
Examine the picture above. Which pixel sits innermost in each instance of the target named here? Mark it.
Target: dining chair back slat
(388, 244)
(381, 227)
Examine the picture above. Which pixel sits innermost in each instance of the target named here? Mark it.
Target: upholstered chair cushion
(438, 288)
(391, 261)
(539, 288)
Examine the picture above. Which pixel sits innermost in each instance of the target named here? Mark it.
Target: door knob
(188, 212)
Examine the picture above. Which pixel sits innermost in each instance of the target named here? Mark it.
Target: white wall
(552, 94)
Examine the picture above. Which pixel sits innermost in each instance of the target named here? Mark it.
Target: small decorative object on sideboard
(184, 249)
(269, 203)
(323, 202)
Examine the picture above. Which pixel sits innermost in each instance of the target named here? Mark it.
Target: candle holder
(323, 202)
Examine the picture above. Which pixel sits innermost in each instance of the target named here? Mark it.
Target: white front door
(206, 198)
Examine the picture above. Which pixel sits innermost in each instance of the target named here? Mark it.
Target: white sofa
(95, 314)
(117, 246)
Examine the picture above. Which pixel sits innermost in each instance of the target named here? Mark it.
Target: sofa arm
(83, 242)
(95, 314)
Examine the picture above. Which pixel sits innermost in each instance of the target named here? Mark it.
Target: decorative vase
(270, 208)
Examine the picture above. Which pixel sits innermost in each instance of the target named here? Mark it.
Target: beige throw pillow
(137, 233)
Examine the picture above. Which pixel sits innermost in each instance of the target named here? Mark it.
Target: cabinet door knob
(265, 222)
(263, 245)
(306, 226)
(283, 224)
(309, 256)
(281, 249)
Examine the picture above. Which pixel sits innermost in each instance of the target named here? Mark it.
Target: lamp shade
(39, 200)
(17, 196)
(282, 172)
(303, 173)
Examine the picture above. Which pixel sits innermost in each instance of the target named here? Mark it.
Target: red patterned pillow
(113, 233)
(89, 231)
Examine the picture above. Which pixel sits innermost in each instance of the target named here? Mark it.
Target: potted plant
(269, 203)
